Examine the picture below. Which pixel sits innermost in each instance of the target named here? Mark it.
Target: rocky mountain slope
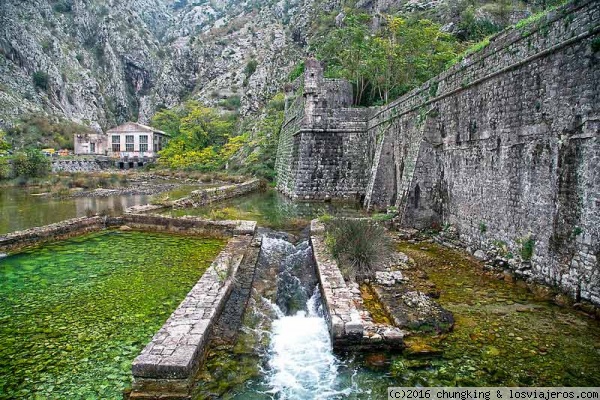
(102, 62)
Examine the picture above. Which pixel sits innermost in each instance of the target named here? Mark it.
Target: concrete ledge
(345, 325)
(202, 197)
(173, 356)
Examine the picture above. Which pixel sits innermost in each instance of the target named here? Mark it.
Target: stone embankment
(344, 322)
(203, 197)
(62, 230)
(81, 165)
(166, 366)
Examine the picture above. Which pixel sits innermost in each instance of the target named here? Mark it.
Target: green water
(270, 209)
(504, 336)
(74, 314)
(22, 209)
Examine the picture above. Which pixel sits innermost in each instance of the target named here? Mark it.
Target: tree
(31, 164)
(203, 127)
(346, 51)
(198, 135)
(168, 120)
(385, 64)
(41, 80)
(4, 145)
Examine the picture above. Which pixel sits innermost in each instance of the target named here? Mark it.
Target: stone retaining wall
(504, 146)
(82, 165)
(77, 226)
(343, 319)
(203, 197)
(166, 366)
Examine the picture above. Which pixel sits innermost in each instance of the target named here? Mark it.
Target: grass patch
(360, 246)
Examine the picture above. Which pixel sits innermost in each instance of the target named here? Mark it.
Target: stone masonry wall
(324, 148)
(343, 320)
(15, 241)
(505, 146)
(203, 197)
(81, 165)
(166, 366)
(508, 151)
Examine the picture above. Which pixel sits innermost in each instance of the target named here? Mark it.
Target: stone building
(130, 144)
(133, 141)
(90, 143)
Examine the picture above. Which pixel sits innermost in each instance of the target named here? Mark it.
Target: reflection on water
(270, 209)
(20, 209)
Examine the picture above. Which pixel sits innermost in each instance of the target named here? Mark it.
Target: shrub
(296, 72)
(251, 67)
(31, 164)
(41, 80)
(359, 245)
(5, 170)
(527, 247)
(63, 6)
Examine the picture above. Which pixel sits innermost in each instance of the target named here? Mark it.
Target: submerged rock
(414, 310)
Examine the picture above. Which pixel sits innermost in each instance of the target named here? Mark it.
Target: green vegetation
(503, 335)
(5, 169)
(296, 72)
(197, 132)
(41, 80)
(359, 245)
(76, 313)
(205, 140)
(4, 145)
(527, 244)
(232, 103)
(250, 70)
(382, 66)
(596, 44)
(30, 164)
(471, 28)
(256, 156)
(482, 228)
(43, 131)
(63, 6)
(381, 217)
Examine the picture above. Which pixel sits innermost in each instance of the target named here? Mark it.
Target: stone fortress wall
(504, 146)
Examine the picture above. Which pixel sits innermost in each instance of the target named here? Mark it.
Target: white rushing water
(301, 362)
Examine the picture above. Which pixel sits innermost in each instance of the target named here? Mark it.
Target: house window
(129, 142)
(143, 143)
(116, 143)
(92, 147)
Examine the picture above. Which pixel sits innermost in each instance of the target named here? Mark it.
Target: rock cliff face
(102, 62)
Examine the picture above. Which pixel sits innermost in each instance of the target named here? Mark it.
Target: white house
(132, 141)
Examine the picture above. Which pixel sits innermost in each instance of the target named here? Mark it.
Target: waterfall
(301, 363)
